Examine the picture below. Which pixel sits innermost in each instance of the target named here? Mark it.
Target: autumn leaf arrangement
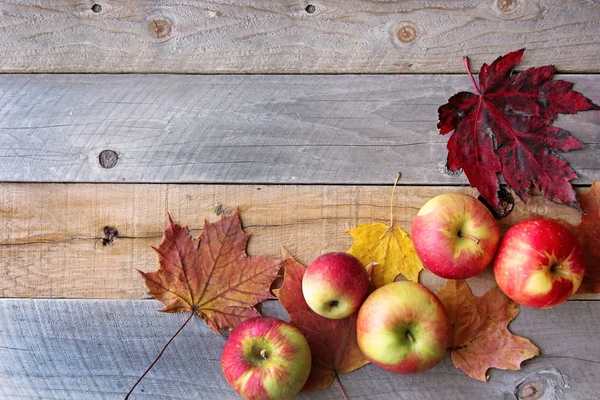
(504, 129)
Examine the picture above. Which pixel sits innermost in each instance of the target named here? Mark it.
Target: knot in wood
(159, 28)
(407, 33)
(507, 6)
(108, 159)
(529, 390)
(110, 233)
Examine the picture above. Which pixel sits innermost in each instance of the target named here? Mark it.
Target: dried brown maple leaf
(506, 128)
(588, 232)
(480, 337)
(211, 276)
(332, 341)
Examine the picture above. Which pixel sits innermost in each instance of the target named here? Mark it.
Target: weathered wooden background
(91, 163)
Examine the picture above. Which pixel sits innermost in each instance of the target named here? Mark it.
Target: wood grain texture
(243, 129)
(63, 349)
(281, 36)
(55, 242)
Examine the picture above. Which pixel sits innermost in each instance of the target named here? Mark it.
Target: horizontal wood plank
(54, 242)
(59, 349)
(282, 36)
(350, 129)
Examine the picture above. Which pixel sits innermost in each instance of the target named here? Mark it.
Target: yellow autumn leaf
(391, 249)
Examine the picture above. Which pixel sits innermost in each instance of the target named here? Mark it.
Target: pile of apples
(403, 327)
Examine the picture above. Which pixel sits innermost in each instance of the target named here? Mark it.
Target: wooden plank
(53, 241)
(281, 36)
(243, 129)
(96, 350)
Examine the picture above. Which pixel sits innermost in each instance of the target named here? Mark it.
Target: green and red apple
(266, 359)
(334, 285)
(403, 327)
(455, 236)
(539, 264)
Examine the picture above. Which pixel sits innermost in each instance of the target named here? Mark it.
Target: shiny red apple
(539, 263)
(455, 236)
(335, 285)
(266, 359)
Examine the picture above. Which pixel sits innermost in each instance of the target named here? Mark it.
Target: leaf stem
(466, 61)
(392, 200)
(337, 378)
(159, 355)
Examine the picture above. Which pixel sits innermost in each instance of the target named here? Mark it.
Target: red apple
(539, 263)
(266, 358)
(335, 285)
(403, 327)
(455, 236)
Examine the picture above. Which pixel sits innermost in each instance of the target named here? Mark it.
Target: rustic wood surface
(55, 242)
(352, 129)
(282, 36)
(64, 349)
(305, 158)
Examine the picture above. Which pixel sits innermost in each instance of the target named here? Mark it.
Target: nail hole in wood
(108, 159)
(96, 8)
(310, 9)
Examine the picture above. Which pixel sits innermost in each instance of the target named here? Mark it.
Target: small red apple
(455, 236)
(266, 358)
(403, 327)
(539, 263)
(335, 284)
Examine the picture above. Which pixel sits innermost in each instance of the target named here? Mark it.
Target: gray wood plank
(357, 129)
(281, 36)
(61, 349)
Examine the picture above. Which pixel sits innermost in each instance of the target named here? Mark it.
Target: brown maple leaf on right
(480, 335)
(505, 128)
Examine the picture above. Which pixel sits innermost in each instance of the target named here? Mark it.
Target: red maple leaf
(212, 277)
(506, 128)
(332, 341)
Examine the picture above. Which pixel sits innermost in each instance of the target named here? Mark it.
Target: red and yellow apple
(266, 358)
(455, 236)
(539, 263)
(403, 327)
(335, 285)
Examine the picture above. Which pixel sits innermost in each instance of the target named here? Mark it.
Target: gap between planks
(85, 241)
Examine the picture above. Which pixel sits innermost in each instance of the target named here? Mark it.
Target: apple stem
(473, 238)
(398, 175)
(410, 337)
(159, 355)
(466, 61)
(337, 378)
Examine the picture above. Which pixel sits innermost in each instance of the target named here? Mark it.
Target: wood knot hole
(160, 28)
(310, 9)
(96, 8)
(108, 159)
(529, 391)
(407, 33)
(110, 234)
(507, 6)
